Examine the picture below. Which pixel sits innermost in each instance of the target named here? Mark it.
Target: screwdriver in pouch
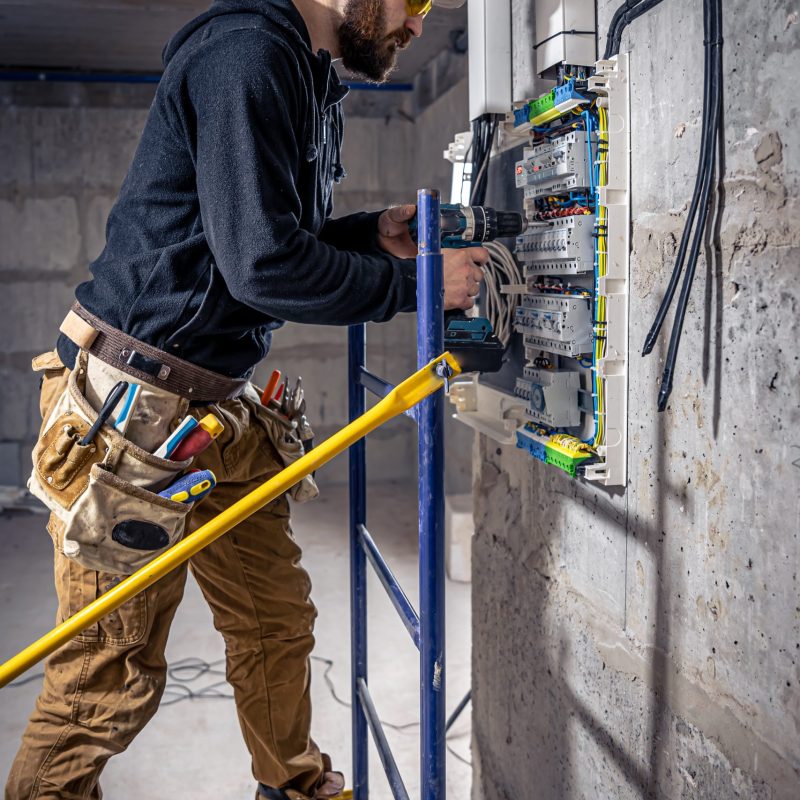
(111, 402)
(190, 488)
(198, 439)
(170, 444)
(272, 385)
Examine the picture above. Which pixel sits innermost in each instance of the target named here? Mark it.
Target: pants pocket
(79, 586)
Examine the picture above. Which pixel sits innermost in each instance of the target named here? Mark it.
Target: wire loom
(601, 268)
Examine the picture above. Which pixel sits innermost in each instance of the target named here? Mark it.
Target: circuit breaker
(560, 246)
(551, 396)
(561, 165)
(555, 324)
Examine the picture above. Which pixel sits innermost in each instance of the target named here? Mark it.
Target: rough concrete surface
(644, 643)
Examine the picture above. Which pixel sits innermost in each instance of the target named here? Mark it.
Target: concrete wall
(645, 643)
(63, 154)
(64, 150)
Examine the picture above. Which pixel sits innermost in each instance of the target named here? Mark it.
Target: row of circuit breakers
(555, 321)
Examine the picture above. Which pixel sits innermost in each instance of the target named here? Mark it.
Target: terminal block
(556, 324)
(545, 447)
(562, 165)
(563, 246)
(566, 459)
(551, 396)
(534, 442)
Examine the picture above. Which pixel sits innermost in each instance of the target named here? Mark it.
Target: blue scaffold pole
(430, 343)
(358, 566)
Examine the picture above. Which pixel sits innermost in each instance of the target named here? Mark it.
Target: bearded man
(221, 232)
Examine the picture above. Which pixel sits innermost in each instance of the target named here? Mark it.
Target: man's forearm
(357, 233)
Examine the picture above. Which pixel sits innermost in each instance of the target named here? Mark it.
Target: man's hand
(463, 273)
(393, 233)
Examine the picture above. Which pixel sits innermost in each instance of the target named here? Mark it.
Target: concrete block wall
(645, 642)
(63, 154)
(64, 151)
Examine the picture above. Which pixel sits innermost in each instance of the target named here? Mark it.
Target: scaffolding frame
(427, 629)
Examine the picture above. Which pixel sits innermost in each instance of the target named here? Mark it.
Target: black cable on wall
(699, 208)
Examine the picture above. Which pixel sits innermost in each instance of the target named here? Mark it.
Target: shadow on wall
(547, 687)
(542, 717)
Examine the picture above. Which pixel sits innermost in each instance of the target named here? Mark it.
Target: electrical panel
(563, 390)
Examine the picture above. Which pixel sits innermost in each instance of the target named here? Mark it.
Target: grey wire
(456, 755)
(500, 308)
(30, 679)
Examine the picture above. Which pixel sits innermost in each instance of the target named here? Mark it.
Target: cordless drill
(471, 226)
(471, 339)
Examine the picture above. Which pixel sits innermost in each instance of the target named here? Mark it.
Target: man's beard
(366, 49)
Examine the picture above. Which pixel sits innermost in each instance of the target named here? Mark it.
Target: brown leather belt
(147, 363)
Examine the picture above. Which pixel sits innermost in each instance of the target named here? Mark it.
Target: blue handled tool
(111, 402)
(128, 407)
(190, 488)
(176, 437)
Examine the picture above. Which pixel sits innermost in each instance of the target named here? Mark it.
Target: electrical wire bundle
(571, 444)
(484, 130)
(601, 269)
(557, 286)
(500, 307)
(623, 16)
(699, 208)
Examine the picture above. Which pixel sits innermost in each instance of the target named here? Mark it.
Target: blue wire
(594, 179)
(587, 121)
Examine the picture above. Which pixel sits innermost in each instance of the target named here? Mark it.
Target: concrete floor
(193, 748)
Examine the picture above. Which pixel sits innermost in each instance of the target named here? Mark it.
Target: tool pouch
(285, 438)
(104, 492)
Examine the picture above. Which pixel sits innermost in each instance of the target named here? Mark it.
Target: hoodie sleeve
(358, 232)
(245, 99)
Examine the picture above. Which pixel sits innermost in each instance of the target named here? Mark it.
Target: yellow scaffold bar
(404, 396)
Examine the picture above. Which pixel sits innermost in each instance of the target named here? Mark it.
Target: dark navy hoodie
(221, 230)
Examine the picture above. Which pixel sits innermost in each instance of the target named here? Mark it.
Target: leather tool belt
(145, 362)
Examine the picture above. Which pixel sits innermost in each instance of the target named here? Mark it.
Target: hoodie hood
(280, 12)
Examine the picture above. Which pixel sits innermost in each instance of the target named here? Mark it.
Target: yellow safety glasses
(416, 8)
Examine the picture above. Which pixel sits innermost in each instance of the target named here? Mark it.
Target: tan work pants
(101, 689)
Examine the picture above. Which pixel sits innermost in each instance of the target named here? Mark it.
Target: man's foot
(330, 788)
(266, 793)
(332, 785)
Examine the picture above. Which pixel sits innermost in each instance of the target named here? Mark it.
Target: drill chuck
(466, 225)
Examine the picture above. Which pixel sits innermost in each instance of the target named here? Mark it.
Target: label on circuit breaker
(555, 167)
(555, 323)
(564, 247)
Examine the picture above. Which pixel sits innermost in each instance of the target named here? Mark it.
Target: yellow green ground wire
(602, 268)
